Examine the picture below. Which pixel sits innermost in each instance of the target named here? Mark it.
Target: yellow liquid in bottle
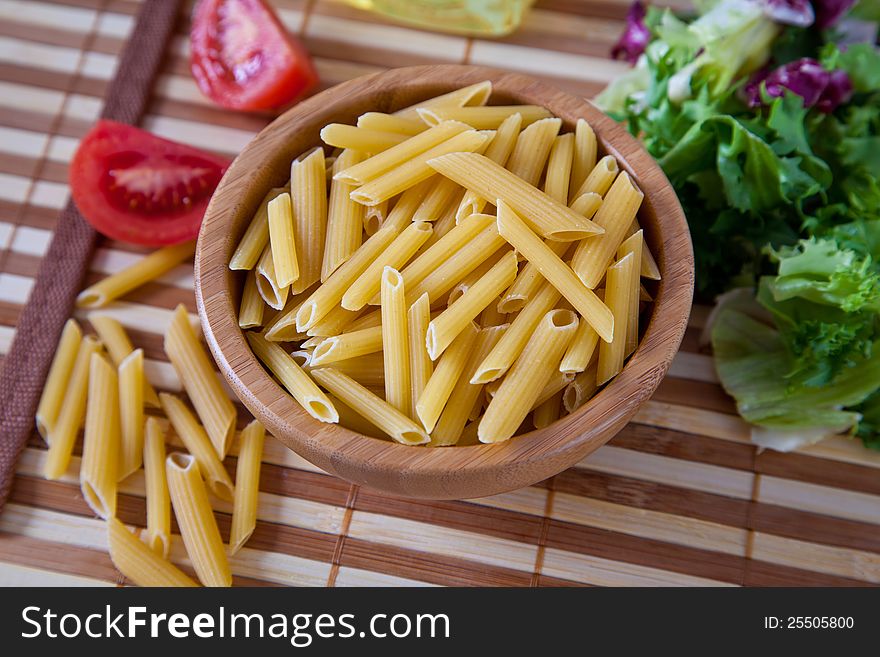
(475, 17)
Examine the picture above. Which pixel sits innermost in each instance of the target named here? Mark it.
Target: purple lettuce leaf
(790, 12)
(635, 38)
(828, 12)
(825, 90)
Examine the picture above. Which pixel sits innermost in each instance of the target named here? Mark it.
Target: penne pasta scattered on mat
(481, 262)
(100, 382)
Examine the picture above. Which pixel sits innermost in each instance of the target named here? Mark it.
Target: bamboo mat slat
(679, 497)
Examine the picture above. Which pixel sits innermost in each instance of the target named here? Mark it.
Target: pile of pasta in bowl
(452, 274)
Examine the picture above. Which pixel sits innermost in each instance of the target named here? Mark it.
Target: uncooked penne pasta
(498, 150)
(615, 216)
(282, 240)
(528, 281)
(335, 322)
(391, 123)
(158, 503)
(559, 168)
(250, 313)
(368, 370)
(587, 204)
(415, 170)
(469, 280)
(256, 237)
(515, 338)
(632, 244)
(374, 215)
(580, 390)
(196, 441)
(131, 413)
(198, 527)
(532, 149)
(309, 201)
(584, 300)
(273, 294)
(487, 117)
(293, 378)
(395, 343)
(59, 374)
(530, 373)
(396, 255)
(345, 218)
(352, 420)
(447, 373)
(62, 434)
(200, 381)
(600, 178)
(437, 199)
(386, 161)
(360, 139)
(100, 459)
(452, 321)
(368, 320)
(548, 412)
(558, 381)
(648, 268)
(618, 295)
(475, 94)
(584, 157)
(348, 345)
(491, 317)
(282, 328)
(449, 427)
(138, 563)
(247, 486)
(329, 294)
(546, 216)
(420, 364)
(458, 265)
(372, 407)
(116, 342)
(146, 269)
(439, 252)
(581, 349)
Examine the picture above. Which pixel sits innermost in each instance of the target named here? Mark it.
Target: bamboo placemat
(680, 497)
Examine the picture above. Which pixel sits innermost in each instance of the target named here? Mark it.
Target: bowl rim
(446, 473)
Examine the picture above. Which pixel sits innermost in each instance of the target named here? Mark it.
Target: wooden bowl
(454, 472)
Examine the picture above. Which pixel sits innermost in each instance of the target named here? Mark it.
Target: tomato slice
(242, 57)
(135, 187)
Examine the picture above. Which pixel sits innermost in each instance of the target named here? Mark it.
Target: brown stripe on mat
(815, 527)
(463, 516)
(37, 553)
(426, 566)
(656, 497)
(686, 446)
(698, 394)
(21, 73)
(646, 552)
(761, 573)
(545, 581)
(802, 467)
(42, 34)
(67, 498)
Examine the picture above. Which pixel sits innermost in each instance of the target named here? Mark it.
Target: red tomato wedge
(242, 57)
(135, 187)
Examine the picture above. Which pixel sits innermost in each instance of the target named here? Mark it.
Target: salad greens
(765, 116)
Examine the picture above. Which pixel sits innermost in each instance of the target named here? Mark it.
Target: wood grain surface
(679, 497)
